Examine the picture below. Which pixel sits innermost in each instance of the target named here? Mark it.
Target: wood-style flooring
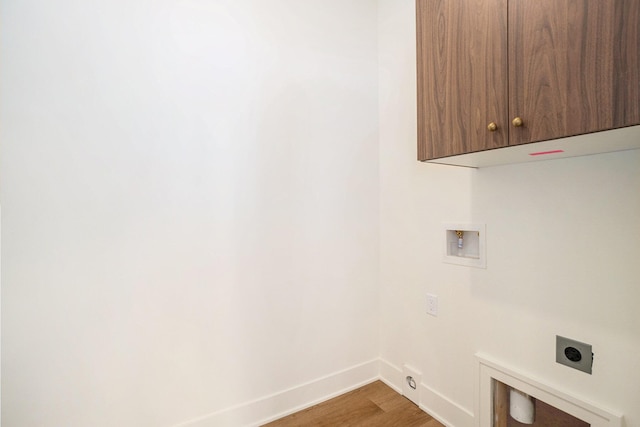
(374, 405)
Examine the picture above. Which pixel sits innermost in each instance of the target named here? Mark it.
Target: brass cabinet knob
(492, 127)
(517, 122)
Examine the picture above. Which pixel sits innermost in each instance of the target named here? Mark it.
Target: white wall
(194, 212)
(190, 205)
(562, 258)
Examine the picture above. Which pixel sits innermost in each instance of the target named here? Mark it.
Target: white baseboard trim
(270, 408)
(391, 375)
(436, 404)
(444, 409)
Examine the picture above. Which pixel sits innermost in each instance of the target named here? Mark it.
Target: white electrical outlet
(432, 304)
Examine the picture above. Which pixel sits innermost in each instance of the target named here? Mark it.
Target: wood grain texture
(500, 404)
(547, 415)
(374, 405)
(574, 67)
(462, 76)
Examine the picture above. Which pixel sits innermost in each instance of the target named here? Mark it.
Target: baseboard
(444, 409)
(270, 408)
(436, 404)
(391, 375)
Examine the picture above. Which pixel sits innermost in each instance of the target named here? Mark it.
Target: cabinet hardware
(492, 127)
(517, 122)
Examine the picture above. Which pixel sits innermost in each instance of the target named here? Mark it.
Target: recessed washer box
(465, 244)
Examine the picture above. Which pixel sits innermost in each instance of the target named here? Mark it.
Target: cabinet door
(462, 76)
(573, 67)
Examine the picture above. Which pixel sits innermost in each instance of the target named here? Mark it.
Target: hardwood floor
(374, 405)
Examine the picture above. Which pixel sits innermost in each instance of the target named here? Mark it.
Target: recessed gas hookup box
(574, 354)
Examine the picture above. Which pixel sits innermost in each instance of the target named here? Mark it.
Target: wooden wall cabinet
(500, 73)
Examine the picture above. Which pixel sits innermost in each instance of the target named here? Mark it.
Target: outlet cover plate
(432, 305)
(574, 354)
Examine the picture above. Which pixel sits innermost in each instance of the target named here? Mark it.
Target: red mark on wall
(542, 153)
